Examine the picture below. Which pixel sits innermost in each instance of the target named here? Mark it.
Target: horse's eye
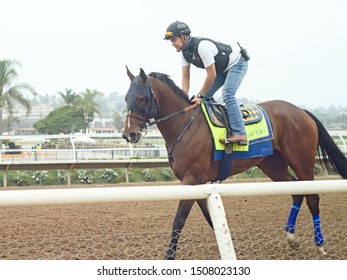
(141, 101)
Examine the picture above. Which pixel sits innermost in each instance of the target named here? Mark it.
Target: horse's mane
(170, 83)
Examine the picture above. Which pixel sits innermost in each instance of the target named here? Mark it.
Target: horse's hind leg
(183, 211)
(304, 171)
(312, 202)
(281, 173)
(290, 226)
(204, 209)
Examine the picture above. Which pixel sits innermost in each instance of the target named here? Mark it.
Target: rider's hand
(196, 100)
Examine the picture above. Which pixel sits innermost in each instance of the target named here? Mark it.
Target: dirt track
(140, 230)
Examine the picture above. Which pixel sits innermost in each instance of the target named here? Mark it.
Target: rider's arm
(186, 78)
(209, 79)
(207, 50)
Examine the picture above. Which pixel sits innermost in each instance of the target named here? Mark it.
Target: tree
(69, 96)
(65, 119)
(85, 101)
(118, 121)
(8, 123)
(11, 93)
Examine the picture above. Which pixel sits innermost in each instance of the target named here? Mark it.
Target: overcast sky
(298, 48)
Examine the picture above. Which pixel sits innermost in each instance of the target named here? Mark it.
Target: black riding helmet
(175, 29)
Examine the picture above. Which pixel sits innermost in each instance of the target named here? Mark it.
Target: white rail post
(343, 142)
(130, 150)
(221, 228)
(73, 148)
(5, 177)
(68, 174)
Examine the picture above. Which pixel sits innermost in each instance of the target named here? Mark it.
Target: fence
(89, 149)
(86, 164)
(339, 137)
(82, 158)
(212, 193)
(75, 158)
(34, 155)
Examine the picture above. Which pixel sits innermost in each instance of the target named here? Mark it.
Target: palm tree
(85, 101)
(11, 93)
(69, 96)
(7, 123)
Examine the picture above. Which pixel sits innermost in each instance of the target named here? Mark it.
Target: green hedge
(110, 176)
(89, 176)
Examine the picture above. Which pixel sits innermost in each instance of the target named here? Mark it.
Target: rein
(184, 129)
(184, 110)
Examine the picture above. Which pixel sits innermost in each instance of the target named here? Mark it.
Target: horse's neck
(169, 103)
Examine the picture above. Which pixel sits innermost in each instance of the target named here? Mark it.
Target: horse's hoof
(321, 250)
(295, 244)
(292, 241)
(169, 256)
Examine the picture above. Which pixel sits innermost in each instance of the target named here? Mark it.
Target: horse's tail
(328, 151)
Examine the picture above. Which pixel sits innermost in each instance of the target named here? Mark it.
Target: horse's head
(141, 105)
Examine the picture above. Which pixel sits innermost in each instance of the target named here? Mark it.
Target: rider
(224, 65)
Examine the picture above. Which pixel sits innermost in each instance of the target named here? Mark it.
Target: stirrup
(224, 141)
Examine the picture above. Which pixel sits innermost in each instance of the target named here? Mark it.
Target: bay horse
(298, 136)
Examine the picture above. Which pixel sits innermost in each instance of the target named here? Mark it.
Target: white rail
(172, 192)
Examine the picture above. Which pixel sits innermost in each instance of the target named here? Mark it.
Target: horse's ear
(143, 75)
(130, 75)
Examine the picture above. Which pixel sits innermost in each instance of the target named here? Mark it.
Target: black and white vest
(190, 53)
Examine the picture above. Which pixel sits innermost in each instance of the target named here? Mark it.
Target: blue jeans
(231, 81)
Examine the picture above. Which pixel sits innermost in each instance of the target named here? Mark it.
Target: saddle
(217, 113)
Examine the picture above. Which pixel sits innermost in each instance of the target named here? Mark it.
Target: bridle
(152, 108)
(152, 111)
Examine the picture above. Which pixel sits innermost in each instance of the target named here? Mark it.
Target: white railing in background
(33, 155)
(212, 193)
(341, 135)
(82, 148)
(92, 157)
(91, 153)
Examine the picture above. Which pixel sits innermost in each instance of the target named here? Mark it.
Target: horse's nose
(125, 136)
(130, 137)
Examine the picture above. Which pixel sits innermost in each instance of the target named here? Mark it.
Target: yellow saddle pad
(256, 131)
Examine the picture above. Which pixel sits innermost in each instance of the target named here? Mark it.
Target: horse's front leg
(183, 211)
